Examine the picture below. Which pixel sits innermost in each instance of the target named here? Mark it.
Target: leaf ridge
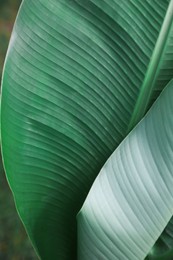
(153, 69)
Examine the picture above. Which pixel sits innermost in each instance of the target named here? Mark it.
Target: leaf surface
(71, 80)
(131, 200)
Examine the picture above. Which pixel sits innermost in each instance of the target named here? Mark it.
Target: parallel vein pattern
(165, 73)
(158, 61)
(71, 79)
(131, 200)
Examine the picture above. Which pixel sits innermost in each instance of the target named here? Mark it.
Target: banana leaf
(78, 76)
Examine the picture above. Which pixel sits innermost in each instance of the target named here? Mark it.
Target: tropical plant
(78, 76)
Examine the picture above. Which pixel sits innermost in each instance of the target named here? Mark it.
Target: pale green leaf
(131, 200)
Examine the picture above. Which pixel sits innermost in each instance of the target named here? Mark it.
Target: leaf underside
(131, 200)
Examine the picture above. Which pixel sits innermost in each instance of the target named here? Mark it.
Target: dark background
(14, 243)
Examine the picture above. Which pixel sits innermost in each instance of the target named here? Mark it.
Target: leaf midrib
(153, 69)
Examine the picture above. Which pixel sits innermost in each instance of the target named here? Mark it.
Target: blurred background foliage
(14, 243)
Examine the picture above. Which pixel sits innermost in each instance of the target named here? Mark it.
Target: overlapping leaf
(71, 80)
(131, 201)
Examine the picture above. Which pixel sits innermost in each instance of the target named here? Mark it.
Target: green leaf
(163, 249)
(156, 70)
(131, 200)
(72, 76)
